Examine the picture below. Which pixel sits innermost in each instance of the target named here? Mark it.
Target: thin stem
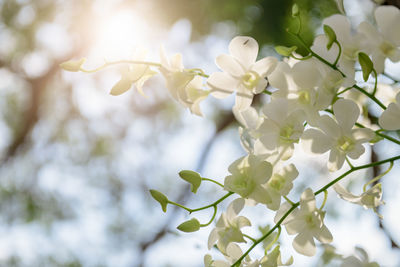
(181, 206)
(267, 92)
(376, 82)
(277, 225)
(316, 55)
(344, 90)
(378, 177)
(339, 53)
(325, 198)
(324, 188)
(301, 58)
(215, 203)
(275, 239)
(249, 237)
(356, 169)
(213, 181)
(378, 132)
(201, 208)
(212, 218)
(348, 162)
(288, 200)
(370, 96)
(121, 62)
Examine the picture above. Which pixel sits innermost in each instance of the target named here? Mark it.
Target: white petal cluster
(273, 259)
(307, 222)
(370, 199)
(338, 135)
(241, 72)
(248, 176)
(233, 253)
(184, 86)
(228, 227)
(383, 42)
(361, 261)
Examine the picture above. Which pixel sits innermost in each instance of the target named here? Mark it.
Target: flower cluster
(309, 102)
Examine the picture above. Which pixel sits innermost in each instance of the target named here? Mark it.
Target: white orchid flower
(281, 127)
(228, 226)
(370, 199)
(338, 136)
(241, 72)
(384, 43)
(307, 222)
(280, 185)
(184, 86)
(362, 261)
(273, 259)
(248, 176)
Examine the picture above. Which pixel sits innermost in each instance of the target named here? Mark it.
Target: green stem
(212, 218)
(213, 181)
(370, 96)
(324, 201)
(277, 225)
(267, 92)
(344, 90)
(376, 82)
(275, 239)
(288, 200)
(180, 206)
(378, 132)
(201, 208)
(356, 169)
(301, 58)
(378, 177)
(348, 162)
(249, 237)
(324, 188)
(215, 203)
(333, 66)
(339, 53)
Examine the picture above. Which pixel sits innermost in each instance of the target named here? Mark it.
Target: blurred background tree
(76, 164)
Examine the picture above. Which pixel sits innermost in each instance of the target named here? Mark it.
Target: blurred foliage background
(76, 164)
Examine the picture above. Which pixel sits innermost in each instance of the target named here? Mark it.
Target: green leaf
(192, 178)
(284, 50)
(161, 198)
(330, 33)
(366, 65)
(192, 225)
(295, 10)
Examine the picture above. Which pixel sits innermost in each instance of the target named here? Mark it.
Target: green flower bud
(161, 198)
(192, 178)
(366, 65)
(330, 33)
(189, 226)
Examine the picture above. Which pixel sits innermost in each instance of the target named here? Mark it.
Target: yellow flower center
(286, 133)
(250, 79)
(345, 144)
(277, 182)
(304, 97)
